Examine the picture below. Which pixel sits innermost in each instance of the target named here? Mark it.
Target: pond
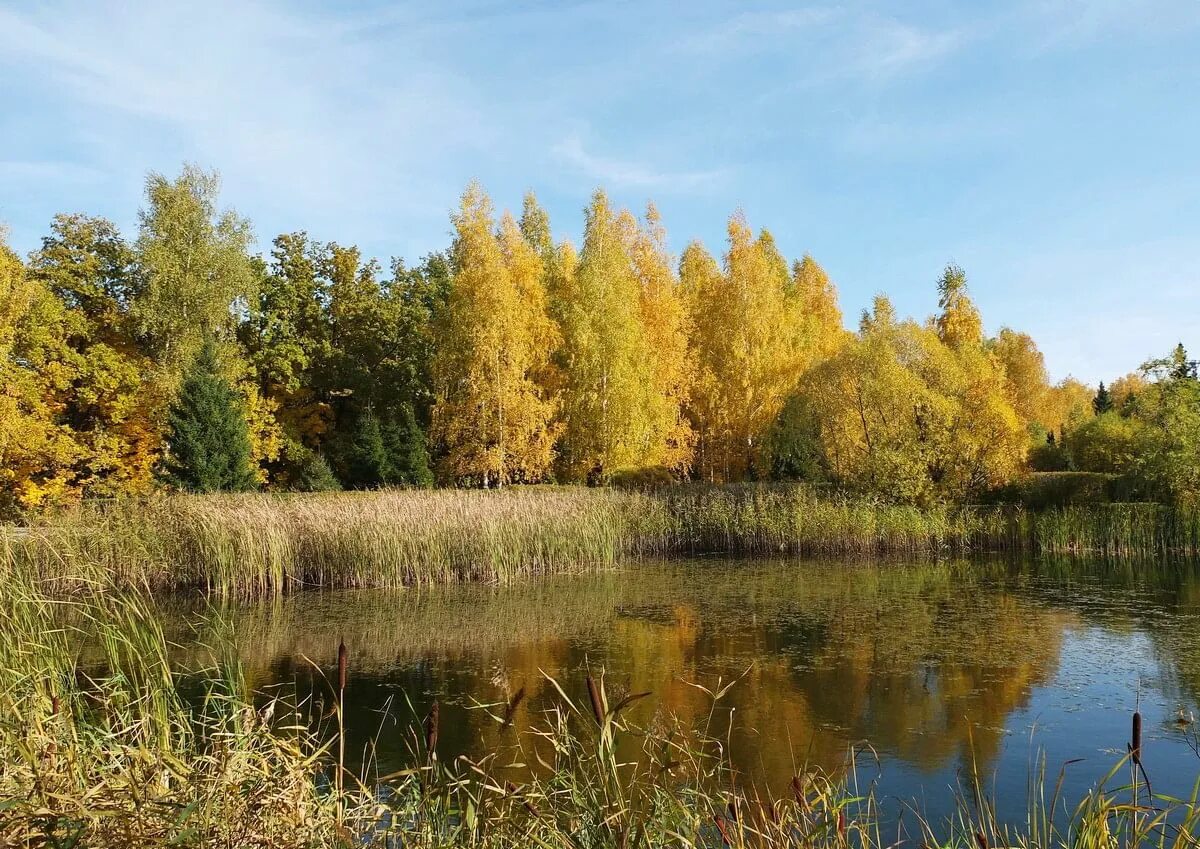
(921, 673)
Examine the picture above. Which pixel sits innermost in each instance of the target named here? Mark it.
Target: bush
(1040, 490)
(647, 477)
(314, 475)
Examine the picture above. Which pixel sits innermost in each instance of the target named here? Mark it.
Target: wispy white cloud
(1052, 24)
(626, 174)
(749, 29)
(885, 48)
(311, 111)
(827, 44)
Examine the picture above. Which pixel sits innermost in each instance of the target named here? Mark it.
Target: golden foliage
(750, 348)
(493, 420)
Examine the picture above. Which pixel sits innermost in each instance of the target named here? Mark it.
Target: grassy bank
(263, 544)
(110, 754)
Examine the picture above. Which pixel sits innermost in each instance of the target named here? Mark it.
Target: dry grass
(255, 545)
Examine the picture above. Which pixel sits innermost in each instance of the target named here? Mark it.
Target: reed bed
(257, 544)
(112, 755)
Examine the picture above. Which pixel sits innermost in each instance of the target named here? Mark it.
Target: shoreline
(253, 545)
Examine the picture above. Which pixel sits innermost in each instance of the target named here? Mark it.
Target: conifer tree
(364, 456)
(408, 458)
(208, 441)
(315, 475)
(1103, 402)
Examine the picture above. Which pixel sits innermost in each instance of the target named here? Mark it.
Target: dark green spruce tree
(1103, 402)
(363, 453)
(208, 441)
(408, 458)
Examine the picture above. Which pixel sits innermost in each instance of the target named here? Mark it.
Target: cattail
(841, 825)
(343, 665)
(513, 704)
(431, 729)
(597, 699)
(798, 790)
(981, 839)
(720, 823)
(1135, 743)
(525, 803)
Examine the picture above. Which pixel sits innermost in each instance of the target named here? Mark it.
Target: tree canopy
(180, 358)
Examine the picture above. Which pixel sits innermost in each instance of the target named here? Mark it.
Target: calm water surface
(933, 666)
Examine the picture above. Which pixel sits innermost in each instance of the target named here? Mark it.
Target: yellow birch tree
(490, 417)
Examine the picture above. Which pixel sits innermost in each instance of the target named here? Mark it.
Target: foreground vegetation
(109, 751)
(253, 544)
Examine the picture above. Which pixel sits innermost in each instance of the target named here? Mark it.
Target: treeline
(180, 359)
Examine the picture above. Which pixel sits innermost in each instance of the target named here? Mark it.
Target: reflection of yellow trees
(922, 662)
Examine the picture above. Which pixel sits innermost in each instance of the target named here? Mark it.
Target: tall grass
(109, 754)
(268, 544)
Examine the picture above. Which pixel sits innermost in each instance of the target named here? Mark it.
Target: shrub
(1040, 490)
(648, 477)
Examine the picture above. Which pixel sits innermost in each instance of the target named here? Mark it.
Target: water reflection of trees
(922, 661)
(1160, 599)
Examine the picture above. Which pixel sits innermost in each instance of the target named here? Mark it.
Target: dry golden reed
(260, 544)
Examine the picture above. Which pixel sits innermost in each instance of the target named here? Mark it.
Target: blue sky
(1050, 148)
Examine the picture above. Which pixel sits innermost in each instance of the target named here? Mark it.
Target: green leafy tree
(419, 297)
(195, 269)
(1108, 442)
(286, 335)
(1169, 460)
(208, 441)
(101, 394)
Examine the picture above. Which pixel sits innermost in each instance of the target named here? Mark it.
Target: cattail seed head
(343, 665)
(511, 708)
(1135, 742)
(596, 699)
(431, 729)
(721, 827)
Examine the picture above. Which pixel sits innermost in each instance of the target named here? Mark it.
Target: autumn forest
(177, 359)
